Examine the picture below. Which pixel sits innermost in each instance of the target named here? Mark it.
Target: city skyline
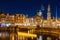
(29, 20)
(30, 7)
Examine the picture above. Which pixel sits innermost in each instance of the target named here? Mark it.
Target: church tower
(48, 16)
(48, 13)
(56, 13)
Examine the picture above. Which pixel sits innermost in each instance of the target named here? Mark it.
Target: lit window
(53, 24)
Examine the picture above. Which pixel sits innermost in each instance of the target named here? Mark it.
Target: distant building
(23, 20)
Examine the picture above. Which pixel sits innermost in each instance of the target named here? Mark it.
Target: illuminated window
(53, 24)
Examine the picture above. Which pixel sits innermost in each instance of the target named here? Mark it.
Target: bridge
(44, 31)
(35, 31)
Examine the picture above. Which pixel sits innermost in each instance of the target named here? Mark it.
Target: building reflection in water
(4, 36)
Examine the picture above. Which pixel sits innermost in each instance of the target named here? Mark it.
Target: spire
(48, 8)
(56, 13)
(48, 17)
(48, 14)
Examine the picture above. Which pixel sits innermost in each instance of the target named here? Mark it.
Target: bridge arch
(45, 35)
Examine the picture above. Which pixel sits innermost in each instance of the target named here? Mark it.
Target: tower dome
(39, 13)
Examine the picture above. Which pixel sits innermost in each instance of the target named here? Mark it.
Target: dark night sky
(30, 7)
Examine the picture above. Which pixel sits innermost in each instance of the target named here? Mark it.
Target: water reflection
(4, 36)
(7, 35)
(40, 37)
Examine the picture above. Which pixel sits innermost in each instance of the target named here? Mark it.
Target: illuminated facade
(48, 16)
(23, 20)
(18, 22)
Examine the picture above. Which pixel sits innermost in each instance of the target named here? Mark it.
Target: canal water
(4, 35)
(7, 35)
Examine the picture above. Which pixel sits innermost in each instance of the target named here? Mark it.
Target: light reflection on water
(40, 37)
(4, 36)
